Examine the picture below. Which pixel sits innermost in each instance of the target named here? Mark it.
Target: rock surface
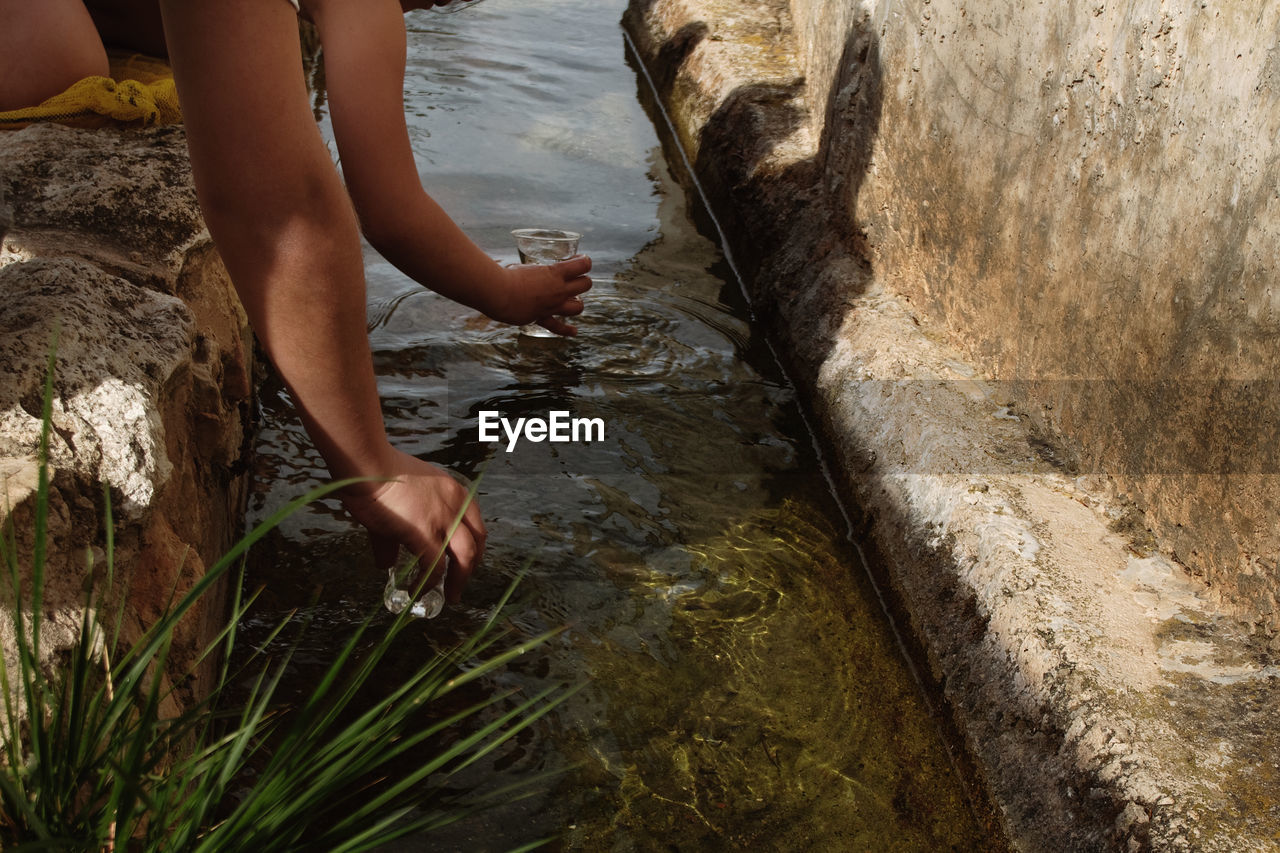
(107, 256)
(991, 338)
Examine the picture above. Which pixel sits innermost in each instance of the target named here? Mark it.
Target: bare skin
(61, 34)
(289, 231)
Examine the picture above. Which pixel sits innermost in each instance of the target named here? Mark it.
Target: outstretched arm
(364, 57)
(287, 232)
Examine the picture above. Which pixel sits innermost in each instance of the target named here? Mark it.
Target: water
(743, 688)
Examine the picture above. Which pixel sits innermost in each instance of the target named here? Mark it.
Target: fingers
(464, 550)
(573, 306)
(578, 265)
(464, 555)
(574, 272)
(475, 523)
(546, 290)
(576, 283)
(559, 326)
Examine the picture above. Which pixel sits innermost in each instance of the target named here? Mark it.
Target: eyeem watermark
(556, 427)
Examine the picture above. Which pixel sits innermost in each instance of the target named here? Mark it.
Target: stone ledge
(107, 249)
(1109, 701)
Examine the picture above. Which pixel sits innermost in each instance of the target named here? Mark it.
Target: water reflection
(741, 687)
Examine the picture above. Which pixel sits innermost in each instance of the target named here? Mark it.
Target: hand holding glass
(400, 577)
(544, 246)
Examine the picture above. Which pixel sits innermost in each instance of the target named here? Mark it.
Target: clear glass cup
(544, 246)
(396, 597)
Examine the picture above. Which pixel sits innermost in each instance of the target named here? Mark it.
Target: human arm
(364, 56)
(289, 237)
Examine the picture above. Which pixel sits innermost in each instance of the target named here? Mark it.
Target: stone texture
(122, 200)
(1011, 417)
(106, 254)
(1083, 201)
(118, 345)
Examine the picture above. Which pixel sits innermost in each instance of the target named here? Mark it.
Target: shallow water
(742, 685)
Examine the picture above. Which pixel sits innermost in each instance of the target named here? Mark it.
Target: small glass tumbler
(396, 597)
(544, 246)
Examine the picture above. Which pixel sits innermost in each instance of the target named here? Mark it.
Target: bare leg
(45, 46)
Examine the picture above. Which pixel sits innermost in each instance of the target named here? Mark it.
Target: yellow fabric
(140, 90)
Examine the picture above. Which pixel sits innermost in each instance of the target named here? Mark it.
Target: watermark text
(558, 426)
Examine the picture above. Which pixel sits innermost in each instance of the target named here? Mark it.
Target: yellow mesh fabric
(140, 90)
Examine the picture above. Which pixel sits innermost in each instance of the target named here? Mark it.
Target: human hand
(544, 294)
(416, 509)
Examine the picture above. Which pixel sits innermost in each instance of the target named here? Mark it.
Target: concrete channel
(1020, 260)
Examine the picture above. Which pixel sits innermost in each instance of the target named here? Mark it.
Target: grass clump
(91, 762)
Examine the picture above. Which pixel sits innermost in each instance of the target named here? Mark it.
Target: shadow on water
(742, 686)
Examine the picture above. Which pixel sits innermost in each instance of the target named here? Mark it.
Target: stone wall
(107, 255)
(1083, 198)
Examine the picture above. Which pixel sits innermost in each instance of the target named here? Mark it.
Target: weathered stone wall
(106, 251)
(1083, 198)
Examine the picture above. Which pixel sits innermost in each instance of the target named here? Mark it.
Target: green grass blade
(104, 767)
(39, 552)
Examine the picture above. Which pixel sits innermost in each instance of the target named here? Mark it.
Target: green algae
(797, 727)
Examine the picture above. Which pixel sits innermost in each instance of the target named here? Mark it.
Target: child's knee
(44, 48)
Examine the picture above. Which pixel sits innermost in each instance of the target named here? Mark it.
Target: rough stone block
(107, 253)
